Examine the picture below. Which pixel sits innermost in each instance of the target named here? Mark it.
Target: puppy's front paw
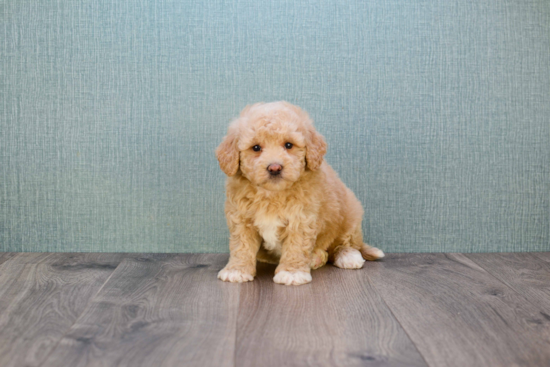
(234, 276)
(292, 278)
(349, 258)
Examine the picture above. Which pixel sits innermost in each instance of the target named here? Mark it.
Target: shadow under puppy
(284, 203)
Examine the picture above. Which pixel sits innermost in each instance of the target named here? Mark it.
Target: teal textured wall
(437, 114)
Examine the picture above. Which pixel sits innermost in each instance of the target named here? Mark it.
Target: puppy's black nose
(274, 169)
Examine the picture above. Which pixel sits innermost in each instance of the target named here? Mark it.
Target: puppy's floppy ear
(228, 154)
(316, 147)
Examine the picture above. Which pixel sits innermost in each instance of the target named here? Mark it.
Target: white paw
(235, 276)
(294, 278)
(349, 258)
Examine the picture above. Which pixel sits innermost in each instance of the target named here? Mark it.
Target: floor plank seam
(82, 313)
(237, 327)
(397, 319)
(502, 281)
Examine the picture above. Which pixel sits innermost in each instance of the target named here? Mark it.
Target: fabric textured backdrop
(437, 115)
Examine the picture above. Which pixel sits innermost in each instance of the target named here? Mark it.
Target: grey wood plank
(337, 320)
(157, 310)
(41, 295)
(542, 255)
(7, 277)
(5, 256)
(457, 314)
(22, 257)
(524, 272)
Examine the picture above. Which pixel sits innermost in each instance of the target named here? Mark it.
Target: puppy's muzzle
(274, 169)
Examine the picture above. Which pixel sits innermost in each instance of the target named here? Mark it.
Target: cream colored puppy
(285, 204)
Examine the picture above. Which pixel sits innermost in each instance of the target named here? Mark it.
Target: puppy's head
(272, 144)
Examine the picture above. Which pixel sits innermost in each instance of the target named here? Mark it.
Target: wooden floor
(170, 310)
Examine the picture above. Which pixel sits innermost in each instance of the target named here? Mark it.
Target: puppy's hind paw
(318, 259)
(234, 276)
(292, 278)
(349, 258)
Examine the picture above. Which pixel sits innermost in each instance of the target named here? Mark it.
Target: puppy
(284, 203)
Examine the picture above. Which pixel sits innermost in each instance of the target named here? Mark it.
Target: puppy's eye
(288, 145)
(256, 148)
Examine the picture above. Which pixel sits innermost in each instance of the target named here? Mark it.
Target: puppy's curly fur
(285, 204)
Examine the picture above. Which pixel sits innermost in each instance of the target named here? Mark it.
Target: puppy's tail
(371, 253)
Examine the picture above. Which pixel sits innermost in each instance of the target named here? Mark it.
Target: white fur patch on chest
(268, 227)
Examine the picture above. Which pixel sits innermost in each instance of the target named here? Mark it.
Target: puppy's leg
(352, 252)
(296, 253)
(319, 258)
(244, 243)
